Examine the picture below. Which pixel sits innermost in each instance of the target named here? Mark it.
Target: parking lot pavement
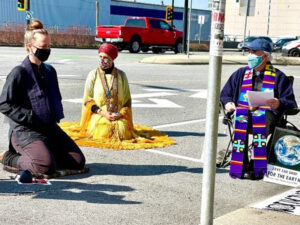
(157, 186)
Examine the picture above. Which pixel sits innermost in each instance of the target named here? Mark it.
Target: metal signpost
(189, 29)
(245, 26)
(212, 111)
(200, 22)
(97, 13)
(185, 20)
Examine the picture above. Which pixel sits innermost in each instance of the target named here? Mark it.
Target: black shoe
(248, 175)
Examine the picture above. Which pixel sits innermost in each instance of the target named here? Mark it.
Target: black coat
(20, 102)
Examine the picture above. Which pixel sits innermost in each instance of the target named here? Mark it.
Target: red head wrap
(109, 49)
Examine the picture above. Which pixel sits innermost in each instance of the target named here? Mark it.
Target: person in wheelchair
(259, 75)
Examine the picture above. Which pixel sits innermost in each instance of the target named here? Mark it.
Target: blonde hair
(34, 27)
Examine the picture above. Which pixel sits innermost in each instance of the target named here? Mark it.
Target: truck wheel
(135, 45)
(178, 47)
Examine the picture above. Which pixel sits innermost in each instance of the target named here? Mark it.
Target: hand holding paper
(258, 98)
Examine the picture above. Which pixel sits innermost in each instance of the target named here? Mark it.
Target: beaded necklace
(111, 93)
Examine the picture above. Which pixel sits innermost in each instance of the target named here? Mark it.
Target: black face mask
(42, 54)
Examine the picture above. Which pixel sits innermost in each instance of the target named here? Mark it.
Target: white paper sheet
(258, 98)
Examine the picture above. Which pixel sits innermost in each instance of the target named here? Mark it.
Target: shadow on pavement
(161, 88)
(69, 190)
(141, 170)
(183, 134)
(68, 187)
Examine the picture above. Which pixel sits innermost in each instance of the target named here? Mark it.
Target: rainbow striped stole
(258, 126)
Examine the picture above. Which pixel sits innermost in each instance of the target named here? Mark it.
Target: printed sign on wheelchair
(284, 158)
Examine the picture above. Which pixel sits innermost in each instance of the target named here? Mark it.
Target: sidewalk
(251, 216)
(204, 59)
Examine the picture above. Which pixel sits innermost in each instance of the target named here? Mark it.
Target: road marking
(68, 75)
(149, 95)
(165, 90)
(174, 155)
(159, 103)
(179, 123)
(156, 103)
(73, 100)
(201, 93)
(3, 77)
(60, 61)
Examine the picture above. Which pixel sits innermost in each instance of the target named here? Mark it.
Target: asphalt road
(157, 186)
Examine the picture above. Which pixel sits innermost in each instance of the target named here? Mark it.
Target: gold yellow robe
(95, 130)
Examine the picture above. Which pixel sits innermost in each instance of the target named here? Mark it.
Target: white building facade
(273, 18)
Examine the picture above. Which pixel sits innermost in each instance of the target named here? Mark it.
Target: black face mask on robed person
(42, 54)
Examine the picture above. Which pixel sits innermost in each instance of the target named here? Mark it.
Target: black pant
(58, 151)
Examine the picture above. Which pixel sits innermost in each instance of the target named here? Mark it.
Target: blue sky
(197, 4)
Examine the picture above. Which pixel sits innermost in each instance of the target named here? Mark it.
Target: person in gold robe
(106, 117)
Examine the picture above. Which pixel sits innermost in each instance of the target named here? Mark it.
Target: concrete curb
(247, 216)
(204, 59)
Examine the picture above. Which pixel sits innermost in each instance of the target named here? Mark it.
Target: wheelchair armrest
(227, 119)
(291, 112)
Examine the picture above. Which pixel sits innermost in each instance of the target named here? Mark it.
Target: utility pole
(189, 30)
(245, 26)
(268, 26)
(212, 111)
(97, 13)
(172, 13)
(28, 10)
(185, 20)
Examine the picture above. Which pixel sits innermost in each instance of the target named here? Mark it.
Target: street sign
(201, 19)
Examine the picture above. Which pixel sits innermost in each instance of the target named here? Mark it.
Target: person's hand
(230, 107)
(274, 103)
(110, 116)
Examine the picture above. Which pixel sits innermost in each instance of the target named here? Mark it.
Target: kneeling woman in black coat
(32, 101)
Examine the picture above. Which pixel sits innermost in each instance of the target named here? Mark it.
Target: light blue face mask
(254, 60)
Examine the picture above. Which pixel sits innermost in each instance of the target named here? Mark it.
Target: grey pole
(185, 12)
(245, 26)
(200, 33)
(189, 30)
(172, 23)
(28, 9)
(212, 111)
(268, 26)
(97, 13)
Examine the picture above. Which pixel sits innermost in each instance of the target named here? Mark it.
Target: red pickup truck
(142, 33)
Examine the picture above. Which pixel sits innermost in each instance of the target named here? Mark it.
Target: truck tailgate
(108, 31)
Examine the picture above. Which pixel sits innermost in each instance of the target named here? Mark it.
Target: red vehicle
(142, 33)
